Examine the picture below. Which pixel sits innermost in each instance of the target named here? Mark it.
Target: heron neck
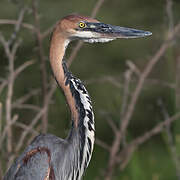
(57, 51)
(81, 136)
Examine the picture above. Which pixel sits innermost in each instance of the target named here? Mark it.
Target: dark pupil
(81, 25)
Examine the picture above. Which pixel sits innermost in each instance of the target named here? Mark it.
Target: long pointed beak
(123, 32)
(110, 31)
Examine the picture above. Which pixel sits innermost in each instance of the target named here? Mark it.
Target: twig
(170, 140)
(23, 67)
(177, 89)
(112, 125)
(0, 117)
(157, 129)
(169, 11)
(15, 47)
(16, 73)
(110, 79)
(24, 98)
(1, 171)
(25, 127)
(102, 144)
(133, 67)
(145, 137)
(11, 57)
(15, 22)
(10, 47)
(161, 83)
(109, 121)
(74, 53)
(144, 75)
(3, 85)
(174, 154)
(33, 135)
(96, 8)
(42, 65)
(127, 80)
(17, 26)
(5, 130)
(5, 45)
(30, 127)
(125, 97)
(27, 106)
(48, 31)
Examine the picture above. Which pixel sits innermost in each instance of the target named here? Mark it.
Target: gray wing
(36, 168)
(35, 162)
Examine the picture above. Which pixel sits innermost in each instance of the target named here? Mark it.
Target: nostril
(104, 30)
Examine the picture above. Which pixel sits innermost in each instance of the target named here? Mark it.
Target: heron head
(91, 30)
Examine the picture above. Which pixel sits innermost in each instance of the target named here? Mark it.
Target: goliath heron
(48, 157)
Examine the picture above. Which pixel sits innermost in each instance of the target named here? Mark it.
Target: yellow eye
(82, 25)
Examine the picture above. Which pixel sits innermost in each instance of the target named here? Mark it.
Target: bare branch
(133, 67)
(96, 8)
(48, 31)
(10, 93)
(177, 90)
(112, 125)
(15, 22)
(74, 52)
(128, 76)
(102, 144)
(161, 83)
(30, 127)
(170, 140)
(1, 171)
(27, 106)
(109, 121)
(10, 48)
(144, 75)
(42, 64)
(3, 85)
(14, 119)
(124, 156)
(127, 80)
(0, 117)
(110, 79)
(157, 129)
(25, 127)
(33, 135)
(169, 11)
(5, 45)
(17, 26)
(22, 67)
(10, 90)
(24, 98)
(115, 82)
(15, 47)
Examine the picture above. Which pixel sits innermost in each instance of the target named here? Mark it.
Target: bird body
(48, 157)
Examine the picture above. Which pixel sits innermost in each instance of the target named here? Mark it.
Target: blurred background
(134, 85)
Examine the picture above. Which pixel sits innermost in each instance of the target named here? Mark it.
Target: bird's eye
(82, 25)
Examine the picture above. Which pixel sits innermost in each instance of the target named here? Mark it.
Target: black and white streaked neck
(86, 125)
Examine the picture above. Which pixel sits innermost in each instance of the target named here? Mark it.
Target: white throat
(92, 37)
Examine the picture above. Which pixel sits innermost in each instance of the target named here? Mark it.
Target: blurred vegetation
(152, 160)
